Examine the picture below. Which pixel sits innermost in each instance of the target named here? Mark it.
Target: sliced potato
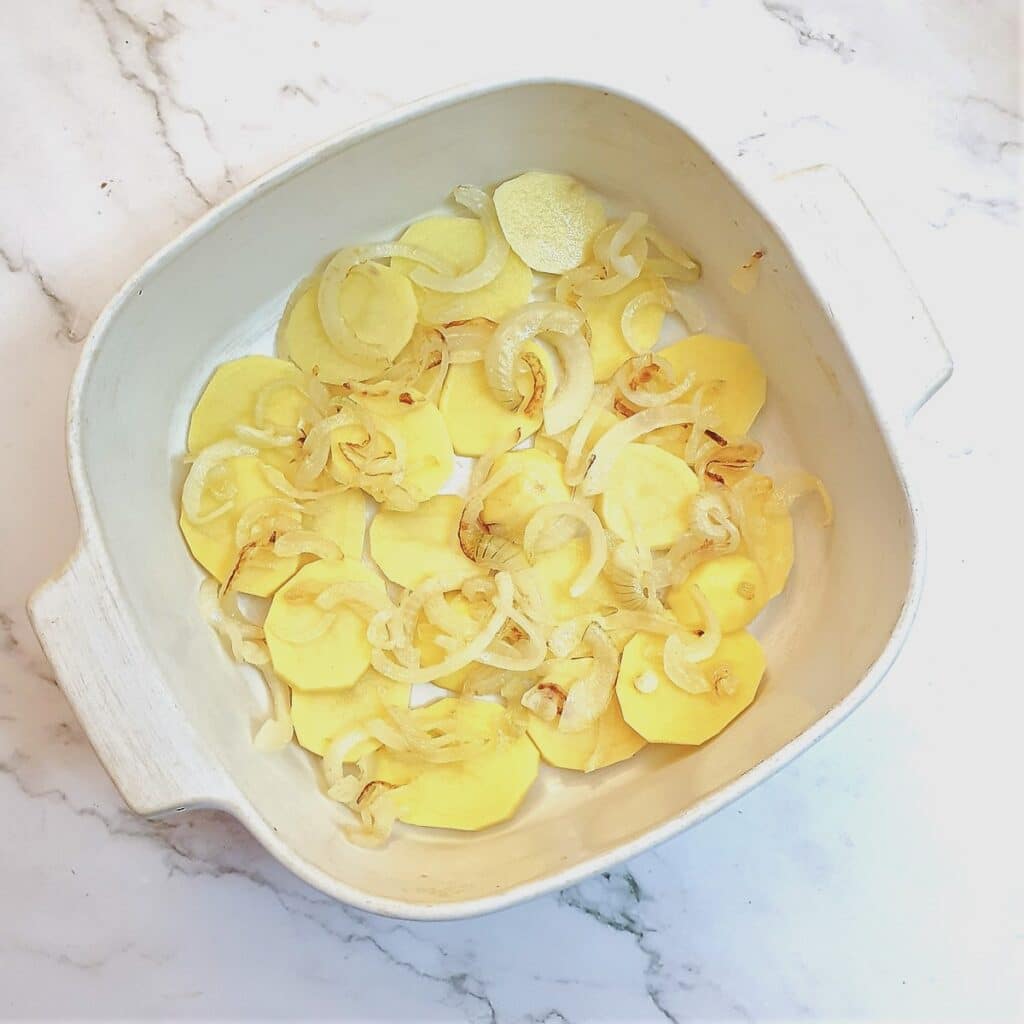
(341, 518)
(379, 305)
(604, 315)
(742, 392)
(213, 544)
(556, 571)
(428, 448)
(548, 219)
(648, 496)
(476, 420)
(538, 481)
(323, 715)
(772, 547)
(734, 587)
(668, 714)
(460, 241)
(336, 658)
(431, 653)
(607, 741)
(467, 795)
(413, 547)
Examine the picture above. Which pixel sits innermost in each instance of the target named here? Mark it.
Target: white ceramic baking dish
(850, 353)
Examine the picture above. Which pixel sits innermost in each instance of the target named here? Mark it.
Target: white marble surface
(879, 877)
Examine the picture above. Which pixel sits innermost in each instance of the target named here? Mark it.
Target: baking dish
(850, 353)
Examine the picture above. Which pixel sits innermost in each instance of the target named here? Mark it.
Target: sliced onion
(316, 449)
(271, 514)
(281, 483)
(652, 297)
(264, 438)
(548, 514)
(519, 659)
(496, 248)
(628, 264)
(795, 485)
(545, 700)
(745, 277)
(638, 370)
(684, 650)
(679, 264)
(245, 638)
(575, 465)
(576, 389)
(275, 733)
(692, 312)
(305, 542)
(630, 572)
(195, 483)
(589, 697)
(734, 457)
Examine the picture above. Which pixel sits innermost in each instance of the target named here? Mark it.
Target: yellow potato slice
(413, 547)
(769, 540)
(213, 544)
(671, 715)
(607, 741)
(431, 653)
(342, 519)
(323, 715)
(428, 448)
(467, 795)
(648, 496)
(229, 400)
(336, 658)
(301, 336)
(548, 219)
(538, 481)
(555, 572)
(608, 347)
(460, 242)
(734, 587)
(476, 420)
(741, 396)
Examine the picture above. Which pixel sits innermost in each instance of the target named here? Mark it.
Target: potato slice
(734, 587)
(555, 572)
(460, 241)
(323, 715)
(428, 448)
(379, 306)
(668, 714)
(548, 219)
(772, 546)
(648, 496)
(431, 653)
(336, 658)
(213, 544)
(608, 347)
(607, 741)
(413, 547)
(476, 420)
(468, 795)
(741, 396)
(538, 481)
(342, 519)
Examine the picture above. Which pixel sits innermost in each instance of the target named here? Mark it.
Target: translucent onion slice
(794, 485)
(263, 438)
(679, 264)
(467, 339)
(745, 277)
(628, 264)
(545, 700)
(575, 464)
(630, 570)
(496, 249)
(527, 655)
(243, 637)
(652, 297)
(207, 460)
(546, 515)
(589, 697)
(692, 312)
(640, 369)
(305, 542)
(576, 389)
(277, 731)
(683, 650)
(264, 516)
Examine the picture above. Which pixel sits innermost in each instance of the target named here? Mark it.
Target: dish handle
(139, 731)
(847, 257)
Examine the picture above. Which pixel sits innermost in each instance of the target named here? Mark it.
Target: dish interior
(221, 296)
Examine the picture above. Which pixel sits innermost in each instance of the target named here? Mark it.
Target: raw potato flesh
(342, 518)
(460, 241)
(607, 741)
(476, 420)
(213, 544)
(380, 307)
(538, 482)
(734, 587)
(339, 656)
(711, 359)
(323, 715)
(556, 571)
(648, 496)
(413, 547)
(671, 715)
(548, 219)
(468, 795)
(604, 315)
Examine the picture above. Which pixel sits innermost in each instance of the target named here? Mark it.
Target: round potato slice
(734, 587)
(476, 420)
(668, 714)
(431, 653)
(741, 394)
(379, 305)
(323, 715)
(608, 347)
(341, 518)
(555, 572)
(467, 795)
(770, 544)
(648, 496)
(548, 219)
(460, 241)
(336, 658)
(538, 481)
(607, 741)
(413, 547)
(255, 571)
(428, 448)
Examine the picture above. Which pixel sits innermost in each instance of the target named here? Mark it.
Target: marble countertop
(879, 876)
